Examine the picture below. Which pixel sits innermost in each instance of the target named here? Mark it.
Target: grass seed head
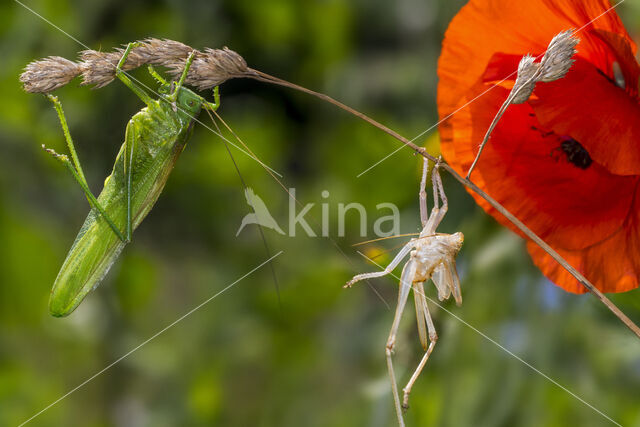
(526, 80)
(557, 61)
(162, 52)
(48, 74)
(554, 65)
(98, 68)
(211, 68)
(208, 69)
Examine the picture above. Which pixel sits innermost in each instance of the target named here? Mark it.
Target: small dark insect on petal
(576, 153)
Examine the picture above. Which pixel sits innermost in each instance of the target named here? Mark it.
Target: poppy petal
(484, 27)
(606, 265)
(555, 169)
(524, 168)
(591, 109)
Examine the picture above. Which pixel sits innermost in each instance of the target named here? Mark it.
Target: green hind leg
(74, 166)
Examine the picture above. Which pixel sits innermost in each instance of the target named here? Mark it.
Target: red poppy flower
(566, 162)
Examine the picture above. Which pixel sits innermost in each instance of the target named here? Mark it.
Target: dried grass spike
(212, 68)
(138, 56)
(164, 52)
(526, 80)
(49, 74)
(231, 60)
(98, 68)
(557, 61)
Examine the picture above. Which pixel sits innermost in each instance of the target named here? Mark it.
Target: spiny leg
(67, 136)
(438, 212)
(124, 78)
(173, 96)
(74, 166)
(403, 293)
(424, 213)
(93, 202)
(436, 172)
(157, 76)
(393, 264)
(422, 313)
(213, 106)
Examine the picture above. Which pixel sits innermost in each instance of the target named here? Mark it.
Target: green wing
(157, 138)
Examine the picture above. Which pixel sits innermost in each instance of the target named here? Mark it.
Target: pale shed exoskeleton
(431, 256)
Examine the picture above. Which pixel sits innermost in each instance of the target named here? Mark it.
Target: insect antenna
(244, 187)
(386, 251)
(393, 248)
(384, 238)
(292, 197)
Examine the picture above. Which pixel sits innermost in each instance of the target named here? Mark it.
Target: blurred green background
(242, 359)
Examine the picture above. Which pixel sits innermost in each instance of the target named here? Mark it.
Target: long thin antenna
(244, 187)
(385, 238)
(292, 197)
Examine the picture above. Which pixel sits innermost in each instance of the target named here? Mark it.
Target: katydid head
(188, 104)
